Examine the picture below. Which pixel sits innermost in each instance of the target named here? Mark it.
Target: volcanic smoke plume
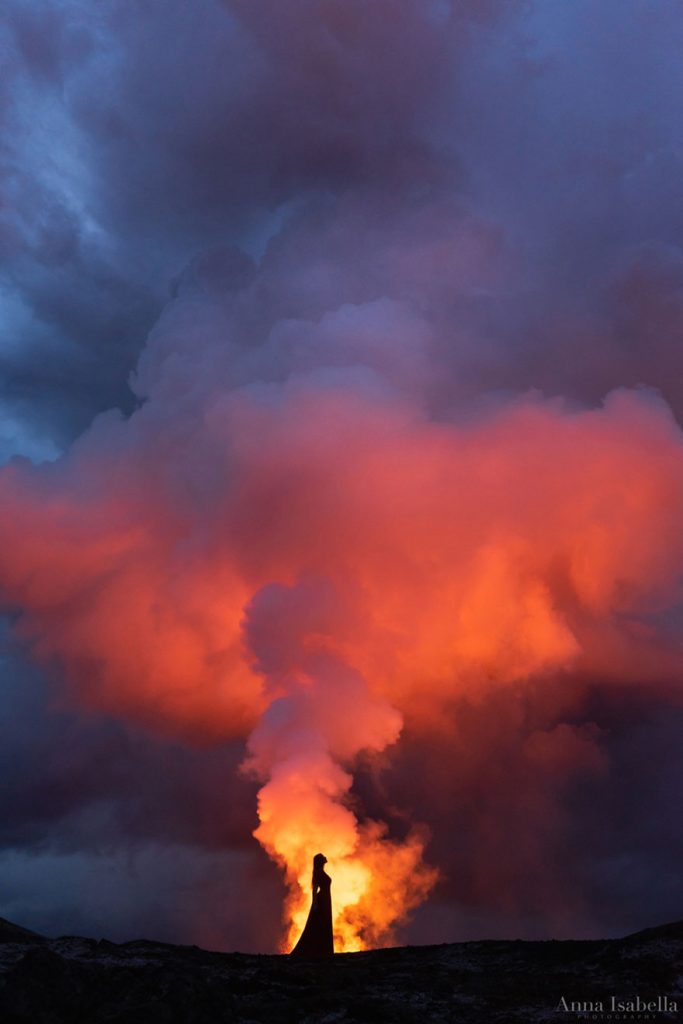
(342, 520)
(285, 542)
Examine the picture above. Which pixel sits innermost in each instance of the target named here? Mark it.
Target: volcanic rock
(14, 933)
(84, 981)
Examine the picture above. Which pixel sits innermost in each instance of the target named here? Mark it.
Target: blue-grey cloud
(501, 178)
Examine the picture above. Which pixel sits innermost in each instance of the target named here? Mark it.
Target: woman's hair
(318, 862)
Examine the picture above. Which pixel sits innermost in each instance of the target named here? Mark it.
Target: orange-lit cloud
(315, 562)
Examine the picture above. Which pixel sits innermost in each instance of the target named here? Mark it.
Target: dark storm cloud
(571, 137)
(57, 766)
(168, 892)
(102, 827)
(509, 174)
(137, 136)
(585, 788)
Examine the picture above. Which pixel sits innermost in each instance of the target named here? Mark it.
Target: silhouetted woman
(316, 939)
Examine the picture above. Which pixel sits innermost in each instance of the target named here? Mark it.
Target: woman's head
(319, 862)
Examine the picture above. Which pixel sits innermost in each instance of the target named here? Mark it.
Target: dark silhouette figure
(316, 940)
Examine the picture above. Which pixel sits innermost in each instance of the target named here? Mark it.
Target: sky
(341, 396)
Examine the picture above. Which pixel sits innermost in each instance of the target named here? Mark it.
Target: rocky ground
(83, 981)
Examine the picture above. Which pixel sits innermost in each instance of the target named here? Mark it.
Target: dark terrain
(83, 981)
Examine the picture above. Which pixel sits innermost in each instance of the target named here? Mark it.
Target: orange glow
(417, 561)
(376, 882)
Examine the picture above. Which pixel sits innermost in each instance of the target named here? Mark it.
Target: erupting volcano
(395, 507)
(315, 560)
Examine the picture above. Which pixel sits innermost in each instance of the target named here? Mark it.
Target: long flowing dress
(316, 939)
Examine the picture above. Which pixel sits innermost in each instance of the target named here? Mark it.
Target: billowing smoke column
(294, 540)
(322, 715)
(331, 523)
